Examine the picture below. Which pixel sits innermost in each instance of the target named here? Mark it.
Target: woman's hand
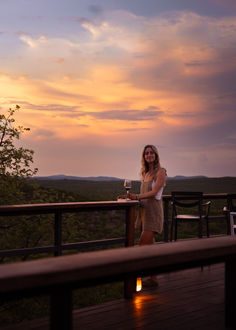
(122, 197)
(132, 196)
(128, 196)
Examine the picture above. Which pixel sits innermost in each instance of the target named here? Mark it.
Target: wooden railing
(58, 209)
(166, 204)
(61, 292)
(58, 277)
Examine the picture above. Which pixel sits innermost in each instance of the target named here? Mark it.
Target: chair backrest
(187, 199)
(231, 202)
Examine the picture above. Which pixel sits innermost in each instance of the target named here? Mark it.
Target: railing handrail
(107, 265)
(65, 207)
(50, 207)
(59, 208)
(205, 196)
(59, 276)
(62, 293)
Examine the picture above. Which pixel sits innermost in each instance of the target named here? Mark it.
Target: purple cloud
(126, 115)
(95, 9)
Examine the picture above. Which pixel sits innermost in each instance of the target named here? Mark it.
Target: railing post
(227, 215)
(130, 283)
(58, 233)
(230, 292)
(130, 222)
(166, 220)
(61, 310)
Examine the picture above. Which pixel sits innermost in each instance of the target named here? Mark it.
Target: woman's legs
(148, 237)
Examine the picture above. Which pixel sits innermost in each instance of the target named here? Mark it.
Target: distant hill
(204, 184)
(181, 177)
(104, 178)
(68, 177)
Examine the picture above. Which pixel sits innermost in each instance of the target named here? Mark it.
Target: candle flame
(138, 284)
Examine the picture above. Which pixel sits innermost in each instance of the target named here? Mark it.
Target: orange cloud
(169, 78)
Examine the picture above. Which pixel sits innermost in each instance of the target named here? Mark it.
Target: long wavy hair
(144, 164)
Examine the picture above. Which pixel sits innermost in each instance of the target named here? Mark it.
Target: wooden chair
(230, 213)
(188, 199)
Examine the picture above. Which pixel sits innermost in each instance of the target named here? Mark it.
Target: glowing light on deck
(138, 284)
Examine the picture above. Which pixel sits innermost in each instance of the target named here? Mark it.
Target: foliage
(206, 185)
(89, 190)
(109, 190)
(13, 161)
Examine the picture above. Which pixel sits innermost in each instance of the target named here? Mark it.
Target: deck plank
(190, 299)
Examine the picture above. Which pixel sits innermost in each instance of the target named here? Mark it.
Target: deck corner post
(129, 283)
(230, 292)
(166, 220)
(58, 233)
(129, 288)
(61, 309)
(130, 230)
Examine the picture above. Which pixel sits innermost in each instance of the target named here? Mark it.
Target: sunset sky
(96, 80)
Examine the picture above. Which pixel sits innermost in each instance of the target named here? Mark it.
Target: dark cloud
(43, 133)
(62, 94)
(206, 136)
(227, 96)
(55, 107)
(95, 9)
(131, 129)
(170, 77)
(32, 18)
(149, 113)
(213, 8)
(230, 4)
(81, 20)
(186, 114)
(197, 63)
(223, 82)
(126, 115)
(45, 107)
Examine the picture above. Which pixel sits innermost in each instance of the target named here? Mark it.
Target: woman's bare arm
(159, 182)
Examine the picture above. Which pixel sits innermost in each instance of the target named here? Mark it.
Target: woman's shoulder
(163, 170)
(160, 172)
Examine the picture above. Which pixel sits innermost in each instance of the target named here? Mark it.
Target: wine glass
(127, 185)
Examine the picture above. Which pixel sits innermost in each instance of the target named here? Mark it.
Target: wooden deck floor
(190, 299)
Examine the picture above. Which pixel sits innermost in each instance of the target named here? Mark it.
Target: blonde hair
(144, 164)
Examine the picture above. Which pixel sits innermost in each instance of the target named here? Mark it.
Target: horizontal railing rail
(58, 209)
(58, 277)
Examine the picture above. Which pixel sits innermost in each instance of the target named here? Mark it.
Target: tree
(14, 161)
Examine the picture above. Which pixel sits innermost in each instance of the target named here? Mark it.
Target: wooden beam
(91, 267)
(61, 309)
(78, 206)
(130, 283)
(230, 292)
(59, 276)
(6, 210)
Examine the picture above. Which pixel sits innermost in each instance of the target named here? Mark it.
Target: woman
(150, 216)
